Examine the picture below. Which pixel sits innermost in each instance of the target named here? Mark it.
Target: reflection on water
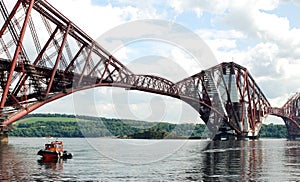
(56, 164)
(261, 160)
(196, 160)
(11, 165)
(50, 169)
(229, 160)
(292, 158)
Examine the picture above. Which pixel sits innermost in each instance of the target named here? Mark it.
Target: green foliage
(56, 125)
(150, 134)
(273, 131)
(62, 125)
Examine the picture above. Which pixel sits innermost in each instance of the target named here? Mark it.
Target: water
(154, 160)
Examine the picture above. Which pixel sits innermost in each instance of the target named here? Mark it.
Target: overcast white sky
(261, 35)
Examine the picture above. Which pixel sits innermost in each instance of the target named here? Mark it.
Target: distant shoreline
(70, 126)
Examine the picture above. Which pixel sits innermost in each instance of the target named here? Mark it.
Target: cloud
(96, 19)
(199, 6)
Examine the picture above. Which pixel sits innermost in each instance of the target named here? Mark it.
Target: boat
(54, 150)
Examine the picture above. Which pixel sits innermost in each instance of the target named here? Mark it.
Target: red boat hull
(53, 155)
(49, 155)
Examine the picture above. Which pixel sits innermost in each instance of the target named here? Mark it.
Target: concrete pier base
(3, 136)
(225, 136)
(293, 137)
(229, 136)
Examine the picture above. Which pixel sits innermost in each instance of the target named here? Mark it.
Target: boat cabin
(55, 146)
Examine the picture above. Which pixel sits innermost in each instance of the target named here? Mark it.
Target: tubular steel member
(53, 71)
(290, 113)
(230, 89)
(201, 87)
(26, 84)
(65, 62)
(246, 104)
(62, 59)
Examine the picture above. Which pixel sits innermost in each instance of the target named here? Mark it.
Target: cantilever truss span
(44, 56)
(290, 113)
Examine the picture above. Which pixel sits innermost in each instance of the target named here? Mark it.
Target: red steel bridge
(44, 56)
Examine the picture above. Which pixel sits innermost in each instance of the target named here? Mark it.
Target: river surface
(153, 160)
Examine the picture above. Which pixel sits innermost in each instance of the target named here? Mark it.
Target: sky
(263, 36)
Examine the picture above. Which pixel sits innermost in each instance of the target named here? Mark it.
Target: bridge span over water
(44, 56)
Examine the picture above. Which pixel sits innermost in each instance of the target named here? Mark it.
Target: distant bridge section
(290, 113)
